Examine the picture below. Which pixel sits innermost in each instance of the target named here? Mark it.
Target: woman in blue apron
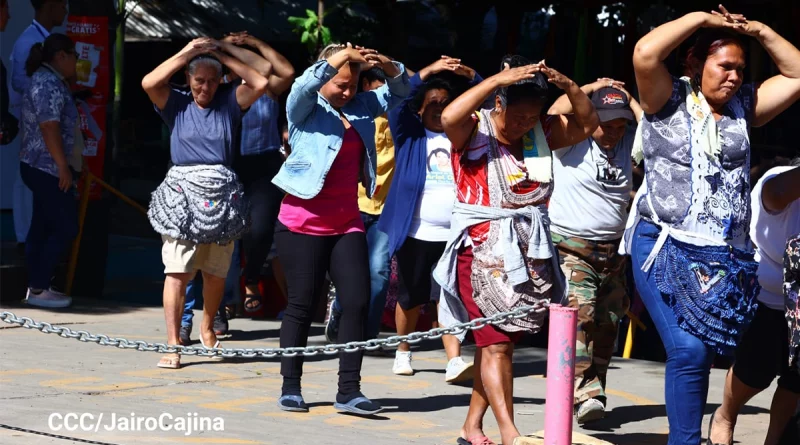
(688, 235)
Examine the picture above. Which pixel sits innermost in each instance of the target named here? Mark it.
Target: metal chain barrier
(332, 349)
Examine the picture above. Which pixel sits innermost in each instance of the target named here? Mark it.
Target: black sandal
(230, 311)
(248, 303)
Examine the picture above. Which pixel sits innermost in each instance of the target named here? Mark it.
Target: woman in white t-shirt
(421, 199)
(763, 351)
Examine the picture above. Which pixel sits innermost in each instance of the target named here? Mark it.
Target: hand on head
(737, 22)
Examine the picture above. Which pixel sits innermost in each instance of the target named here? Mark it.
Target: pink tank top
(334, 211)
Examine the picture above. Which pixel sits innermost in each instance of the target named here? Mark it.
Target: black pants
(416, 260)
(53, 226)
(306, 260)
(763, 352)
(256, 173)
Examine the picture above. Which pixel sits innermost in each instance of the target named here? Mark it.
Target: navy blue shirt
(202, 136)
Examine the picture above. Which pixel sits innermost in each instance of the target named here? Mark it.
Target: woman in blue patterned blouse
(49, 126)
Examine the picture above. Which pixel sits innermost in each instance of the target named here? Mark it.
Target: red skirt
(489, 334)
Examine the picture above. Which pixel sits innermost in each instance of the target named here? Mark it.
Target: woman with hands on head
(200, 208)
(693, 211)
(319, 229)
(417, 213)
(500, 250)
(260, 158)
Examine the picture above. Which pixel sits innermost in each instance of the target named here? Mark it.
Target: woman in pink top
(319, 230)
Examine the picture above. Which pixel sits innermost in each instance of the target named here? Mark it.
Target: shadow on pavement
(439, 403)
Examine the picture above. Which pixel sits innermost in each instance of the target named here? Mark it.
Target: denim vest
(316, 130)
(260, 127)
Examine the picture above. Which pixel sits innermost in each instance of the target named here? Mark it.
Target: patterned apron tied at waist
(204, 204)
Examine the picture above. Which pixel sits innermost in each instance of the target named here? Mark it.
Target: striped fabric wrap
(204, 204)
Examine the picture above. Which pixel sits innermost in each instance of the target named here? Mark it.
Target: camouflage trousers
(596, 274)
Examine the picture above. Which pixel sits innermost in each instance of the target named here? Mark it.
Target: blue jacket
(316, 130)
(410, 158)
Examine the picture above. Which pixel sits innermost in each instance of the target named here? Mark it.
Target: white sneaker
(48, 298)
(458, 371)
(402, 363)
(589, 411)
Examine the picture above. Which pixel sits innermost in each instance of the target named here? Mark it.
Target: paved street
(44, 376)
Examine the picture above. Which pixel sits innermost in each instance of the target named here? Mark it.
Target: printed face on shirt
(342, 88)
(608, 134)
(723, 73)
(432, 106)
(204, 83)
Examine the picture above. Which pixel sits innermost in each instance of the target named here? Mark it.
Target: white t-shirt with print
(592, 190)
(431, 221)
(769, 232)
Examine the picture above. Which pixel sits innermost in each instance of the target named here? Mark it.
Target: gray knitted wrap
(204, 204)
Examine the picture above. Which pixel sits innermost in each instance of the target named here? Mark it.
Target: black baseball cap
(611, 104)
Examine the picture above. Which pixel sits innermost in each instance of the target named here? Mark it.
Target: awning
(150, 20)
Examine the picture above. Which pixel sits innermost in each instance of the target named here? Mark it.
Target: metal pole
(76, 245)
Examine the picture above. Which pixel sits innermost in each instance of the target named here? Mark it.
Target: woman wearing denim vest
(319, 230)
(692, 256)
(499, 256)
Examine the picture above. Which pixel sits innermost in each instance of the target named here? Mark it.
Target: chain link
(330, 349)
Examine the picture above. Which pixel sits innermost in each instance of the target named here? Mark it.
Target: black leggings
(256, 173)
(306, 259)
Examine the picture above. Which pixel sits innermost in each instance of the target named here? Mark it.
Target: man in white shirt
(763, 351)
(588, 210)
(48, 15)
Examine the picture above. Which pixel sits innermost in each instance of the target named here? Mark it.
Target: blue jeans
(194, 289)
(379, 269)
(688, 358)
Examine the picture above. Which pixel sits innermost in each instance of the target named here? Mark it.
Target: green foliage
(312, 33)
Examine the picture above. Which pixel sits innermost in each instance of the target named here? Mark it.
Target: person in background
(47, 15)
(49, 123)
(500, 256)
(689, 235)
(9, 124)
(419, 206)
(594, 178)
(258, 161)
(371, 210)
(200, 208)
(320, 231)
(763, 352)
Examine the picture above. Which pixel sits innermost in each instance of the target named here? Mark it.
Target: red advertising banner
(90, 35)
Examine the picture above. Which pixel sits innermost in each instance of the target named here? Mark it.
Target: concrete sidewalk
(44, 376)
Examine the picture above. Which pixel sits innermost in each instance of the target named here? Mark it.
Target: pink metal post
(560, 375)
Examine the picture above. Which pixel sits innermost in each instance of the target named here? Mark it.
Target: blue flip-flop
(352, 407)
(300, 407)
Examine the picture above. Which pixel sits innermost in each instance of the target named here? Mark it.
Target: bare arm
(777, 93)
(652, 77)
(573, 128)
(781, 190)
(282, 74)
(254, 86)
(261, 65)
